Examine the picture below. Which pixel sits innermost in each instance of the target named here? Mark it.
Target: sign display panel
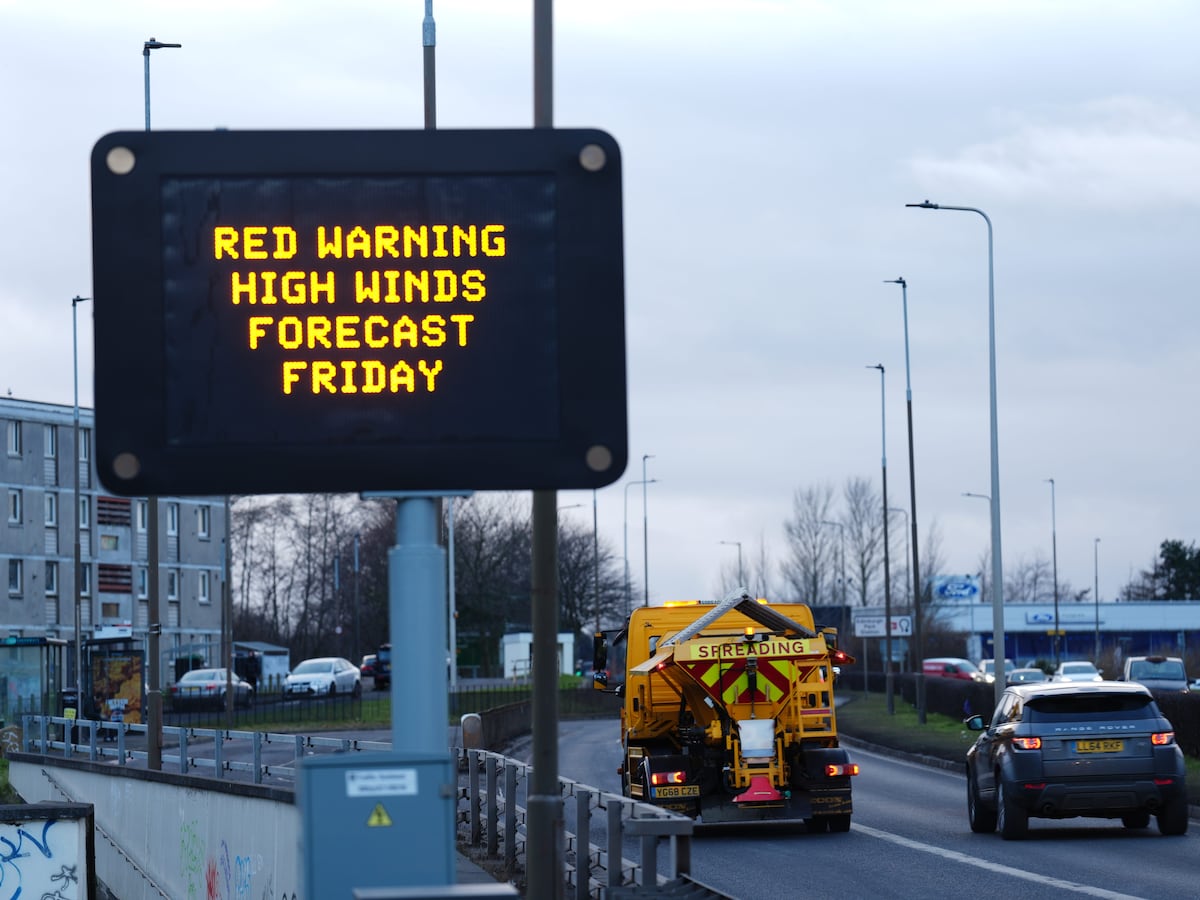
(323, 311)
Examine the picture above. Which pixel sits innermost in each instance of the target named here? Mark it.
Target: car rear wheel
(1138, 819)
(817, 824)
(1012, 821)
(982, 819)
(357, 692)
(1173, 819)
(333, 689)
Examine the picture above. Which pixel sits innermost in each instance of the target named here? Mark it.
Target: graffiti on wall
(223, 875)
(40, 859)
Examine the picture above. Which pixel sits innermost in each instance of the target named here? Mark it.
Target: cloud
(1122, 153)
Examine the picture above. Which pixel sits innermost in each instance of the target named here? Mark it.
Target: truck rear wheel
(839, 824)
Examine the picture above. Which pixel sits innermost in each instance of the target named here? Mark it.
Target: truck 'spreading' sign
(321, 311)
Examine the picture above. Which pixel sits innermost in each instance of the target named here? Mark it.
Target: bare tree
(810, 543)
(864, 535)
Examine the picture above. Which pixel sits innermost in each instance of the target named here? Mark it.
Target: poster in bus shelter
(117, 687)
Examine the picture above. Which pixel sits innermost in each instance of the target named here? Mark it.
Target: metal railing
(607, 829)
(185, 750)
(490, 816)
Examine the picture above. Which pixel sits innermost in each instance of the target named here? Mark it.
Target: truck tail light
(840, 770)
(667, 778)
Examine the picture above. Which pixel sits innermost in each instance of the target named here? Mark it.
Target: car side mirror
(974, 723)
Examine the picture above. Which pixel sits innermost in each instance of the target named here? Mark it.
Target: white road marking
(998, 869)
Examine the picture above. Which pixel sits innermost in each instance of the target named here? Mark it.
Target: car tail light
(667, 778)
(1162, 738)
(1163, 782)
(838, 771)
(1028, 743)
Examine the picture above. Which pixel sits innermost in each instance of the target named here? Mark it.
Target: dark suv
(1059, 750)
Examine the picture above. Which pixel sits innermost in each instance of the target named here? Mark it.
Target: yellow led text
(353, 332)
(423, 241)
(351, 376)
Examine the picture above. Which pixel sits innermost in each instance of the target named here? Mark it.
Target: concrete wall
(178, 836)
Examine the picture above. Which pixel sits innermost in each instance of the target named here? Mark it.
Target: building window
(172, 519)
(85, 580)
(110, 610)
(85, 446)
(51, 509)
(204, 598)
(51, 433)
(14, 438)
(143, 516)
(172, 584)
(51, 578)
(203, 521)
(109, 542)
(16, 577)
(14, 506)
(85, 512)
(143, 583)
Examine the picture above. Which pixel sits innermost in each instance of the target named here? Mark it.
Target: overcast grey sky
(769, 147)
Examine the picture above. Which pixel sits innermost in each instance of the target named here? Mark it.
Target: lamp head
(155, 44)
(900, 281)
(925, 205)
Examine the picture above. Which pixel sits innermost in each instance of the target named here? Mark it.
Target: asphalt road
(910, 838)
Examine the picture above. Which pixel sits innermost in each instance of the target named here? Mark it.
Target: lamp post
(911, 524)
(1054, 569)
(154, 631)
(149, 45)
(908, 587)
(997, 567)
(1000, 666)
(78, 573)
(645, 535)
(738, 544)
(1096, 591)
(887, 574)
(596, 557)
(628, 588)
(841, 553)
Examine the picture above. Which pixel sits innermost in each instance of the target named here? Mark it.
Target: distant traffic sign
(873, 626)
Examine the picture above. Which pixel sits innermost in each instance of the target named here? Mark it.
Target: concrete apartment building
(46, 506)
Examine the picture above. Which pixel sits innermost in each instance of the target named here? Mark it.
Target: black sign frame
(572, 435)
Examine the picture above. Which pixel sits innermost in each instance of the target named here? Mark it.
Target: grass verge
(866, 718)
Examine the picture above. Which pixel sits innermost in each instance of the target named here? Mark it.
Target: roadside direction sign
(873, 626)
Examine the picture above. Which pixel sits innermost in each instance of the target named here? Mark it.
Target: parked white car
(324, 676)
(1077, 670)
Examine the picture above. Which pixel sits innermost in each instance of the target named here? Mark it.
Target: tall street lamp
(596, 557)
(997, 567)
(841, 553)
(887, 574)
(149, 45)
(738, 544)
(908, 588)
(645, 534)
(911, 528)
(1054, 571)
(625, 528)
(154, 631)
(1096, 591)
(78, 573)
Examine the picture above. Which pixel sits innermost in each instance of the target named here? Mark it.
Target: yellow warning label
(379, 818)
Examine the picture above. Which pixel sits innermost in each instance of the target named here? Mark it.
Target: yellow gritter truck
(728, 712)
